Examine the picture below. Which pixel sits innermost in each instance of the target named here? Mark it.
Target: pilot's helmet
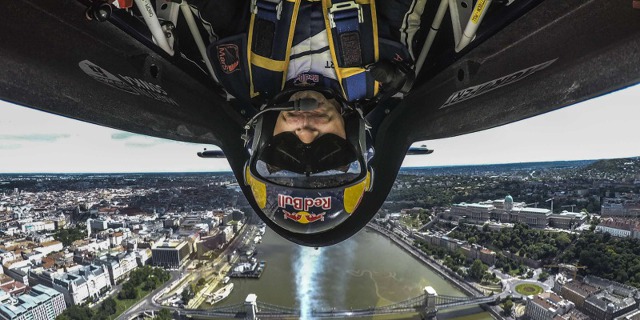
(308, 189)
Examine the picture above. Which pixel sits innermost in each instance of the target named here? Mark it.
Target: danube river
(366, 270)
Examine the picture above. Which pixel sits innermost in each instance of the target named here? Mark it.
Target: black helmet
(307, 188)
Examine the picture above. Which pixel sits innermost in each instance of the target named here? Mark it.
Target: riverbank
(452, 278)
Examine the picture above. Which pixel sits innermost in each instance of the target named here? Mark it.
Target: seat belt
(271, 31)
(353, 41)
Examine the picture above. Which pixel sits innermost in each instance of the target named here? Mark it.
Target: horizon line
(230, 171)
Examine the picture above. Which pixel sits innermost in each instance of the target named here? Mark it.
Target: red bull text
(303, 204)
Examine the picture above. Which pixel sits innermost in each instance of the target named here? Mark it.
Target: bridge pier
(429, 311)
(250, 305)
(428, 315)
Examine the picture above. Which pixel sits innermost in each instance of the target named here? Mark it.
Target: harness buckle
(344, 6)
(278, 6)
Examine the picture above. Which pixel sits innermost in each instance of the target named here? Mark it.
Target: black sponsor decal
(475, 91)
(125, 83)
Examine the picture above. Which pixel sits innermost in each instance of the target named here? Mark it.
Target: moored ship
(220, 294)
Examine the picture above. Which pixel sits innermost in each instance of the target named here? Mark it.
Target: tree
(186, 296)
(507, 307)
(563, 240)
(543, 276)
(76, 313)
(68, 236)
(108, 306)
(477, 270)
(164, 314)
(128, 291)
(149, 285)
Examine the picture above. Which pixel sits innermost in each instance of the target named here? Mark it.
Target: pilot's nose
(306, 134)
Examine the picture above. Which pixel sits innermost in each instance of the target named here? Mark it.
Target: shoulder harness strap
(269, 44)
(353, 33)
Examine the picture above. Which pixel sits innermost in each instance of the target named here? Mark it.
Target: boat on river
(220, 294)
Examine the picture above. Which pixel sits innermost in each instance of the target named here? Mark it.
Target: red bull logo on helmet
(303, 204)
(303, 217)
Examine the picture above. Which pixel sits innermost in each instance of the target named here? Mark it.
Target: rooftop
(171, 244)
(533, 210)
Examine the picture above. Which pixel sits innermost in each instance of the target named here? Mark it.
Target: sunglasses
(285, 151)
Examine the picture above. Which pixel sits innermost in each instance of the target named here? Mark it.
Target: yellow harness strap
(268, 63)
(345, 72)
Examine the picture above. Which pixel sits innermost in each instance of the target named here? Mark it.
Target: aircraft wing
(53, 59)
(557, 54)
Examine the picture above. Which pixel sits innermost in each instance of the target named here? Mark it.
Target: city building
(171, 254)
(472, 212)
(577, 292)
(42, 276)
(49, 247)
(143, 256)
(17, 270)
(6, 256)
(205, 244)
(11, 286)
(116, 238)
(605, 305)
(546, 306)
(505, 211)
(38, 226)
(41, 303)
(533, 217)
(625, 206)
(97, 225)
(600, 298)
(631, 315)
(567, 220)
(82, 283)
(119, 266)
(617, 227)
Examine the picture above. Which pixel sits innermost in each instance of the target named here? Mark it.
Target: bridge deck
(412, 305)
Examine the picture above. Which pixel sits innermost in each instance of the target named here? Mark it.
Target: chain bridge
(427, 304)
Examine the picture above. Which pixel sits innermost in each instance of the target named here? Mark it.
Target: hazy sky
(605, 127)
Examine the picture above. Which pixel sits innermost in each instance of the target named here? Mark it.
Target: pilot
(307, 72)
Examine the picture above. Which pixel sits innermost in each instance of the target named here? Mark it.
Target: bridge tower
(250, 306)
(429, 311)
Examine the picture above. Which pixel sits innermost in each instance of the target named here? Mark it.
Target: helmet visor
(329, 161)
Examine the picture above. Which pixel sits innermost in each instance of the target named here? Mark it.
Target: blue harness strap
(267, 10)
(270, 36)
(354, 44)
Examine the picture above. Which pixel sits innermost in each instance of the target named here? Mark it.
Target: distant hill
(615, 166)
(505, 167)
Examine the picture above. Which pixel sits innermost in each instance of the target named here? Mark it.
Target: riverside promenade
(455, 279)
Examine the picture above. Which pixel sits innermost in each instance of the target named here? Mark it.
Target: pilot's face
(309, 125)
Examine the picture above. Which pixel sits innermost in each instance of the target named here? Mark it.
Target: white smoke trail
(341, 264)
(308, 266)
